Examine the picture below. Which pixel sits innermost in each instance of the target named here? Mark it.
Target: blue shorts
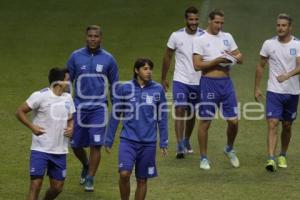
(89, 128)
(140, 155)
(281, 106)
(54, 163)
(185, 95)
(217, 93)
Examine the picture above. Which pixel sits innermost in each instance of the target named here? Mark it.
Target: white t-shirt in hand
(181, 42)
(282, 59)
(50, 112)
(211, 46)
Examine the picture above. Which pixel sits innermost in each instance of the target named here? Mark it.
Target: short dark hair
(215, 12)
(56, 74)
(94, 27)
(192, 10)
(140, 62)
(286, 17)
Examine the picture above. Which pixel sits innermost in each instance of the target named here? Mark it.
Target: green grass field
(37, 35)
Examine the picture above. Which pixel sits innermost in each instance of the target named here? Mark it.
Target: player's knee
(141, 182)
(287, 125)
(233, 123)
(125, 175)
(57, 189)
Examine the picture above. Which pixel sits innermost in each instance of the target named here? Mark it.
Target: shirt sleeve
(34, 100)
(71, 67)
(172, 42)
(197, 48)
(264, 50)
(233, 45)
(163, 120)
(116, 112)
(72, 106)
(113, 77)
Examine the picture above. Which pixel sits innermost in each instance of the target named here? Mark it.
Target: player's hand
(107, 149)
(258, 95)
(37, 130)
(164, 152)
(68, 132)
(282, 78)
(165, 84)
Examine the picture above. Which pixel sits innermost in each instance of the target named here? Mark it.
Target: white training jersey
(282, 59)
(50, 112)
(211, 46)
(181, 42)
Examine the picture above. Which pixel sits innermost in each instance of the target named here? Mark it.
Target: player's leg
(96, 140)
(56, 187)
(35, 188)
(141, 189)
(124, 184)
(289, 115)
(274, 111)
(127, 157)
(57, 165)
(38, 166)
(209, 100)
(194, 99)
(180, 100)
(145, 168)
(229, 111)
(79, 140)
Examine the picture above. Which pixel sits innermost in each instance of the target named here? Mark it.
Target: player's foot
(204, 164)
(83, 175)
(282, 162)
(232, 157)
(188, 148)
(89, 184)
(179, 155)
(180, 150)
(271, 165)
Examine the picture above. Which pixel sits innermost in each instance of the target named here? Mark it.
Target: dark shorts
(89, 128)
(185, 95)
(55, 164)
(217, 93)
(281, 106)
(141, 156)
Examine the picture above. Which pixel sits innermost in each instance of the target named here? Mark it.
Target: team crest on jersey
(149, 99)
(293, 52)
(99, 68)
(226, 42)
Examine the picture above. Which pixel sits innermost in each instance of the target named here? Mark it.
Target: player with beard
(185, 79)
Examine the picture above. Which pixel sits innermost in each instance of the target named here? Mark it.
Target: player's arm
(166, 66)
(163, 124)
(70, 125)
(200, 64)
(237, 55)
(21, 114)
(258, 76)
(113, 78)
(284, 77)
(115, 115)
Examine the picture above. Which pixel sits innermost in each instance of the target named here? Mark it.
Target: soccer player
(282, 53)
(214, 52)
(51, 127)
(142, 105)
(185, 80)
(91, 68)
